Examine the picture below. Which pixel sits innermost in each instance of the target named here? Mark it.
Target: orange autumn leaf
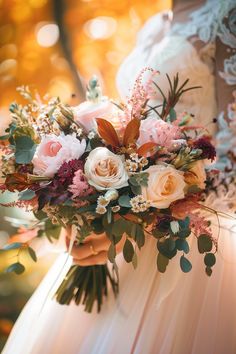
(107, 132)
(131, 133)
(147, 149)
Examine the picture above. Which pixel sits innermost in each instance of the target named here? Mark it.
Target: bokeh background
(53, 45)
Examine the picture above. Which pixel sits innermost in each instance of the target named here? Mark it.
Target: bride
(177, 313)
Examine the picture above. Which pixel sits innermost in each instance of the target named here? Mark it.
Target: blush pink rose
(158, 131)
(54, 150)
(86, 113)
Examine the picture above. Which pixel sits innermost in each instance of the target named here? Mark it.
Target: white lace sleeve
(226, 89)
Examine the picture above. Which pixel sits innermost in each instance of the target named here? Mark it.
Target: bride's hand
(94, 249)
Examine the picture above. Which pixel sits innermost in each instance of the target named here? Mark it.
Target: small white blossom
(115, 208)
(139, 204)
(102, 201)
(91, 135)
(101, 209)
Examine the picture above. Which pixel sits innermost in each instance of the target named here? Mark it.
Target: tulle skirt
(155, 313)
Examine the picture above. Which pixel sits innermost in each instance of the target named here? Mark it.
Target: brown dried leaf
(131, 133)
(107, 132)
(147, 149)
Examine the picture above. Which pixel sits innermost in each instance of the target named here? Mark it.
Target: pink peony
(158, 131)
(87, 112)
(80, 186)
(54, 150)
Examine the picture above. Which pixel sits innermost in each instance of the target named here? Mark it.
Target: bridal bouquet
(130, 170)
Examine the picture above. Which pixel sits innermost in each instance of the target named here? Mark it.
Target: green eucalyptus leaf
(26, 195)
(97, 225)
(17, 268)
(112, 253)
(139, 236)
(204, 243)
(12, 246)
(185, 264)
(208, 271)
(32, 254)
(25, 149)
(165, 249)
(128, 251)
(182, 245)
(51, 230)
(124, 201)
(210, 259)
(162, 262)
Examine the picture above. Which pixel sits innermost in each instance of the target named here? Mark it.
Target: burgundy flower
(208, 150)
(67, 170)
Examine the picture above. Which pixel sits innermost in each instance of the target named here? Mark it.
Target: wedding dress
(172, 313)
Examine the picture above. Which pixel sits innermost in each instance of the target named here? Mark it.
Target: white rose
(165, 185)
(105, 170)
(196, 175)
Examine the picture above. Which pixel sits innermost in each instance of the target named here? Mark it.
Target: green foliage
(28, 194)
(124, 201)
(97, 225)
(139, 236)
(167, 248)
(112, 253)
(162, 262)
(185, 264)
(182, 245)
(12, 246)
(17, 268)
(204, 243)
(139, 179)
(208, 271)
(172, 115)
(32, 254)
(128, 251)
(25, 149)
(210, 259)
(52, 231)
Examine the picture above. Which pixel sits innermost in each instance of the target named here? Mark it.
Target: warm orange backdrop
(24, 61)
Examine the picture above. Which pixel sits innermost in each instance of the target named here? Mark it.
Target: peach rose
(165, 185)
(196, 175)
(105, 170)
(54, 150)
(156, 130)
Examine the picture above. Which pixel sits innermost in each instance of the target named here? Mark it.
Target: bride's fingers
(98, 259)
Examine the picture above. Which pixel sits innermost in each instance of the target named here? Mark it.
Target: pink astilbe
(80, 186)
(141, 93)
(28, 205)
(191, 208)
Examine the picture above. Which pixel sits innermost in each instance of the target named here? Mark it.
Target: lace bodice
(171, 49)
